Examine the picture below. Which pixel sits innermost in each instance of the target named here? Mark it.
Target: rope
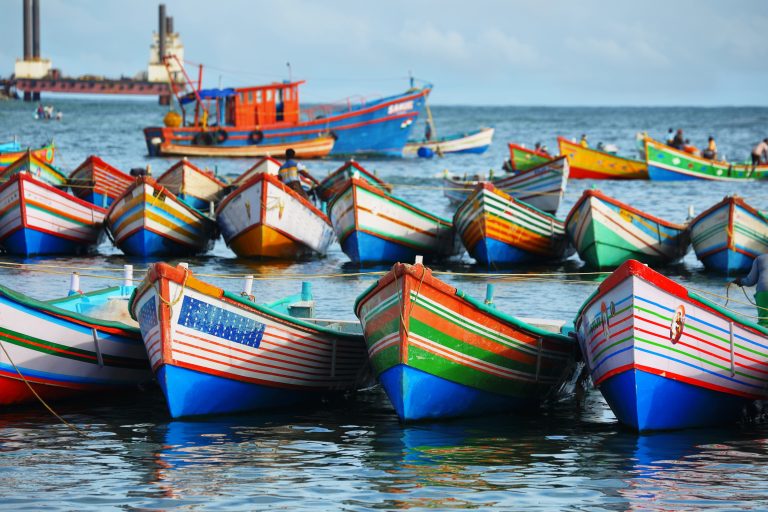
(39, 398)
(172, 303)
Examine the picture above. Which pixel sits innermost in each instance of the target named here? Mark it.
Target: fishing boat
(590, 163)
(12, 153)
(335, 181)
(148, 220)
(218, 352)
(98, 182)
(666, 358)
(374, 226)
(476, 141)
(607, 232)
(264, 218)
(197, 187)
(318, 147)
(498, 229)
(439, 353)
(265, 164)
(37, 218)
(729, 235)
(68, 347)
(541, 186)
(248, 118)
(10, 146)
(522, 158)
(666, 163)
(31, 163)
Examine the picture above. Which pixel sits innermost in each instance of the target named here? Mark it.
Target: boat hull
(376, 127)
(499, 230)
(265, 219)
(729, 236)
(45, 154)
(522, 159)
(149, 221)
(98, 182)
(314, 148)
(374, 226)
(440, 354)
(215, 352)
(669, 164)
(40, 219)
(606, 232)
(666, 358)
(476, 142)
(63, 354)
(588, 163)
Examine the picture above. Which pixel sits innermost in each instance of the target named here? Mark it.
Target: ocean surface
(353, 454)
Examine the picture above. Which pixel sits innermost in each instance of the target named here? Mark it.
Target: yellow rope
(40, 399)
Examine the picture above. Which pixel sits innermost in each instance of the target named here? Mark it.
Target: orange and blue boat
(218, 352)
(498, 229)
(590, 163)
(440, 353)
(148, 220)
(98, 182)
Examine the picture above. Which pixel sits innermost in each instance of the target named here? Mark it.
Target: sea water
(353, 454)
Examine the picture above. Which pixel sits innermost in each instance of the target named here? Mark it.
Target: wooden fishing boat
(44, 154)
(498, 229)
(476, 141)
(148, 220)
(335, 181)
(217, 352)
(318, 147)
(374, 226)
(522, 158)
(10, 146)
(30, 163)
(198, 187)
(666, 164)
(265, 218)
(63, 349)
(541, 187)
(607, 232)
(37, 218)
(439, 353)
(97, 182)
(245, 120)
(729, 235)
(265, 164)
(666, 358)
(590, 163)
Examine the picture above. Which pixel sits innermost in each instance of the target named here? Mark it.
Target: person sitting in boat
(758, 275)
(289, 173)
(583, 141)
(678, 142)
(670, 137)
(600, 146)
(40, 111)
(711, 151)
(540, 148)
(760, 153)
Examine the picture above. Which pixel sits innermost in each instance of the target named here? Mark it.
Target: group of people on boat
(47, 112)
(676, 140)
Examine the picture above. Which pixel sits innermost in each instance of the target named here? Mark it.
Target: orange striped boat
(98, 182)
(198, 187)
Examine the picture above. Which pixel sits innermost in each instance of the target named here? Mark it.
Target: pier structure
(34, 74)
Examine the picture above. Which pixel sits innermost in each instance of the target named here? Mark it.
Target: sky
(475, 52)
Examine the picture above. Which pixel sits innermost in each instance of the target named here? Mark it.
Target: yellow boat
(589, 163)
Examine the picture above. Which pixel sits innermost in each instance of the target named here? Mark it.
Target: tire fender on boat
(255, 137)
(221, 136)
(333, 135)
(202, 139)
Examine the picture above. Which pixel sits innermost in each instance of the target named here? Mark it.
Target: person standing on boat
(583, 141)
(678, 142)
(760, 153)
(289, 173)
(758, 277)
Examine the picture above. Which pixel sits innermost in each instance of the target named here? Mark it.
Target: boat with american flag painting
(218, 352)
(498, 229)
(665, 357)
(439, 353)
(98, 182)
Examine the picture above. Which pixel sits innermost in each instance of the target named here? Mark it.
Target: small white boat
(473, 142)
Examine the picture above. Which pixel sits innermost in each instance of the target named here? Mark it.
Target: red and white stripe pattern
(97, 176)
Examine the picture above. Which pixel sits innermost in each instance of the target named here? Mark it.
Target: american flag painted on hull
(641, 320)
(27, 203)
(542, 186)
(146, 205)
(191, 324)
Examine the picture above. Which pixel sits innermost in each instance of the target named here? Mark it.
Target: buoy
(172, 119)
(425, 152)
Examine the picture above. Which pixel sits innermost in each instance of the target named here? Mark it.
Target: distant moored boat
(666, 163)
